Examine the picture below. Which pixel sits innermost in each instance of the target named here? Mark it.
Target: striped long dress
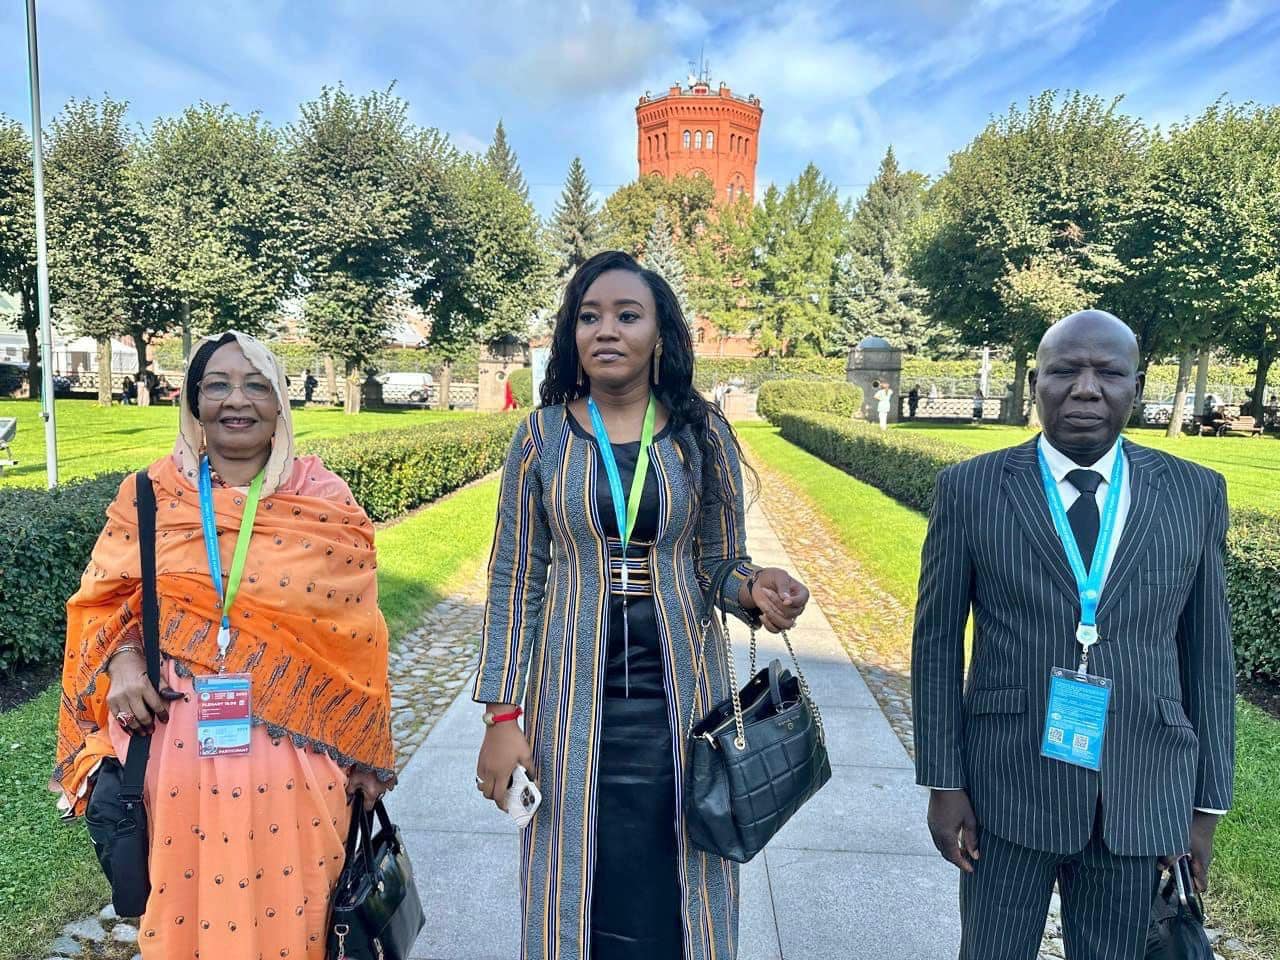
(545, 645)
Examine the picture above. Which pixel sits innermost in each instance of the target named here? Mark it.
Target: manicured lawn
(94, 439)
(1251, 465)
(887, 537)
(48, 874)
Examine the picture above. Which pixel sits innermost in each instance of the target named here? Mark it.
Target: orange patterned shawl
(306, 623)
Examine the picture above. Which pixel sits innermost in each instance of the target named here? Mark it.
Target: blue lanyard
(227, 595)
(1088, 584)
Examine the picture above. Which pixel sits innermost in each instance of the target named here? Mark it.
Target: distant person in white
(883, 397)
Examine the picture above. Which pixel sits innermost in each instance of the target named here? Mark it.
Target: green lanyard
(625, 510)
(227, 597)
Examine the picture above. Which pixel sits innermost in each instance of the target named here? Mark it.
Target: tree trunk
(1180, 394)
(1202, 380)
(331, 377)
(1019, 386)
(351, 406)
(144, 393)
(104, 372)
(186, 332)
(446, 382)
(34, 383)
(1260, 386)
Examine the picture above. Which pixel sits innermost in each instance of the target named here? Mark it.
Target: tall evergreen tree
(575, 223)
(662, 256)
(502, 158)
(724, 279)
(876, 295)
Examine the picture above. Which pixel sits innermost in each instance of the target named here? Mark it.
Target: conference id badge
(1076, 722)
(223, 718)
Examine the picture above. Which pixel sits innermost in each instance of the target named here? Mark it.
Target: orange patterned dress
(244, 850)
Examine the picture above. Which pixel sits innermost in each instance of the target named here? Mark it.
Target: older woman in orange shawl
(245, 850)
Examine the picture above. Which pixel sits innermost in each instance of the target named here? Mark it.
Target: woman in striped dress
(621, 495)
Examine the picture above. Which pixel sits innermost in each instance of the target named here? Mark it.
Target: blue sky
(839, 81)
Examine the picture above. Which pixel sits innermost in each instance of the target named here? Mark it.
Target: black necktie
(1083, 514)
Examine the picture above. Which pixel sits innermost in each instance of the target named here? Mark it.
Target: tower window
(732, 137)
(730, 189)
(687, 138)
(711, 140)
(697, 140)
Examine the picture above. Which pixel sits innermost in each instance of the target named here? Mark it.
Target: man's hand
(954, 827)
(1202, 827)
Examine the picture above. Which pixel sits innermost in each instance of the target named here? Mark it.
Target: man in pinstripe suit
(1012, 817)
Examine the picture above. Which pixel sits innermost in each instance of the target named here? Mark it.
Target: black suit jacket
(1166, 646)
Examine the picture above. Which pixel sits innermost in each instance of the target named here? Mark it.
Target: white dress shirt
(1059, 466)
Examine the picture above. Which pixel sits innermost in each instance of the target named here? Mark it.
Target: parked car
(1157, 413)
(399, 387)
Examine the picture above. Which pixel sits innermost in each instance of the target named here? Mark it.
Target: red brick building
(697, 131)
(694, 130)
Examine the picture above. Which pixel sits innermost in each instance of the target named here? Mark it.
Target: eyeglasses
(218, 389)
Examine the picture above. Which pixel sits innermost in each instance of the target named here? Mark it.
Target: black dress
(636, 897)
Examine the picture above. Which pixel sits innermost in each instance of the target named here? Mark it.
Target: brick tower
(695, 130)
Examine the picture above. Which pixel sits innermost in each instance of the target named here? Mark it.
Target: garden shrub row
(778, 396)
(905, 466)
(46, 536)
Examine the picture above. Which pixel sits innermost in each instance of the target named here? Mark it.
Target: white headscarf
(190, 445)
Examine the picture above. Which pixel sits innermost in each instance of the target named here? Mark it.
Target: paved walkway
(852, 875)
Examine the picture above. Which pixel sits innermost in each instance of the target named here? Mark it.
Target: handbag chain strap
(740, 741)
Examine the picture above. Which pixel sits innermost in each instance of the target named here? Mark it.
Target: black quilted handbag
(755, 758)
(116, 816)
(1177, 920)
(376, 914)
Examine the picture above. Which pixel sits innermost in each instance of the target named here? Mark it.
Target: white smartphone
(523, 798)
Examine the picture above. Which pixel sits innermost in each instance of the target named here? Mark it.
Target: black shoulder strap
(135, 767)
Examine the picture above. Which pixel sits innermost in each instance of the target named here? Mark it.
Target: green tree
(1048, 184)
(97, 243)
(662, 256)
(724, 278)
(575, 224)
(18, 237)
(349, 177)
(875, 294)
(214, 193)
(503, 160)
(799, 242)
(629, 211)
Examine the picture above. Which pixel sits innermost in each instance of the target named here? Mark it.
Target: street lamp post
(42, 258)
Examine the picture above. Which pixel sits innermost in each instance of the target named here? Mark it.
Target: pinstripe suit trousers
(1106, 901)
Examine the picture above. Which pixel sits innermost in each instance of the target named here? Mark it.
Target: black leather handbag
(376, 913)
(755, 758)
(116, 814)
(1177, 919)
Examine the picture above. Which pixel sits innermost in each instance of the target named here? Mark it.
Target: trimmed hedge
(392, 471)
(1253, 584)
(906, 465)
(521, 381)
(777, 396)
(46, 537)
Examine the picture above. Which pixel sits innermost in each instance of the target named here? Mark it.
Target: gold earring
(581, 375)
(657, 361)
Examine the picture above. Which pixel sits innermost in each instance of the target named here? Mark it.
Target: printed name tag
(1077, 719)
(223, 720)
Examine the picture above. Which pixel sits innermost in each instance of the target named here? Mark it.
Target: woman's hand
(134, 702)
(779, 597)
(369, 785)
(504, 749)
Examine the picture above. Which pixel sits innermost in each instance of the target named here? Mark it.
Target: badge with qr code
(1076, 722)
(223, 718)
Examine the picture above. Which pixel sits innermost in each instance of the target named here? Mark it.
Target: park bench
(1239, 424)
(8, 430)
